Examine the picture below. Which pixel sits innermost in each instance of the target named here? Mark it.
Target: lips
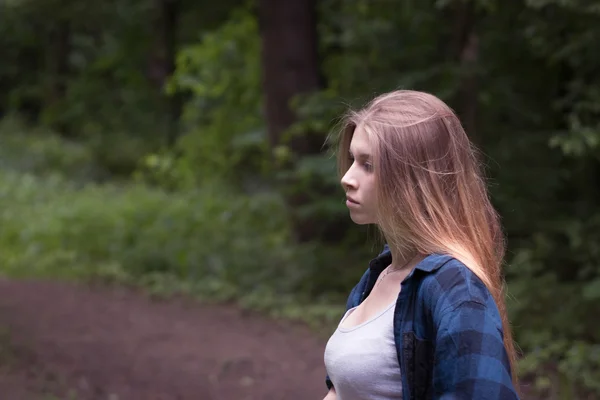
(351, 200)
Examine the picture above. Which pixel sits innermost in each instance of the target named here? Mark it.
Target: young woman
(427, 320)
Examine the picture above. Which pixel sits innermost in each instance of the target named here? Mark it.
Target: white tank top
(361, 361)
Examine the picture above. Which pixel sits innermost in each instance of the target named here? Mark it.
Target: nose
(349, 182)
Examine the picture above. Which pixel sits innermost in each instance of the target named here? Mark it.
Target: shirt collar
(429, 264)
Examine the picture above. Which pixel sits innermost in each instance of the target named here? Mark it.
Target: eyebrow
(362, 156)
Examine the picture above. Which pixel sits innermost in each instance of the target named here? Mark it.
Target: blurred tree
(290, 64)
(168, 13)
(249, 108)
(464, 48)
(290, 68)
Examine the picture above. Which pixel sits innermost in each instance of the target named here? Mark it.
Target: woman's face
(359, 180)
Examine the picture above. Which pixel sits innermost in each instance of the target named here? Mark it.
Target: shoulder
(452, 285)
(471, 358)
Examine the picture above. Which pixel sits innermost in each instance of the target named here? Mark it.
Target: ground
(68, 341)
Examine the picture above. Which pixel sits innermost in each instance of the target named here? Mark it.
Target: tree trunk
(290, 67)
(465, 51)
(171, 11)
(290, 63)
(468, 92)
(163, 63)
(57, 62)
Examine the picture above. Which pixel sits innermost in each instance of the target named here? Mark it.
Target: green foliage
(166, 171)
(50, 225)
(224, 129)
(180, 226)
(212, 243)
(43, 153)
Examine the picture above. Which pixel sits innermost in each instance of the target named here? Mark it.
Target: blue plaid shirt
(448, 332)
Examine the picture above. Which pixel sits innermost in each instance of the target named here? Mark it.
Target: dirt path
(112, 344)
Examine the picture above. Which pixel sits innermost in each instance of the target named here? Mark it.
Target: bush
(49, 226)
(41, 152)
(222, 121)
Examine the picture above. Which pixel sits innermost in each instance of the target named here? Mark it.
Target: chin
(360, 219)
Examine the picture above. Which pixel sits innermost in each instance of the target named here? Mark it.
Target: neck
(402, 258)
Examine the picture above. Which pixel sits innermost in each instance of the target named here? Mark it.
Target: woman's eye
(368, 166)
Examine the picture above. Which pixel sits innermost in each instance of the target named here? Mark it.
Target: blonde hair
(431, 194)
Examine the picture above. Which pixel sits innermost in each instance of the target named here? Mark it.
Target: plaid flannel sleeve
(470, 359)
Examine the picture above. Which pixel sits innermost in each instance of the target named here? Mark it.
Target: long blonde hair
(431, 193)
